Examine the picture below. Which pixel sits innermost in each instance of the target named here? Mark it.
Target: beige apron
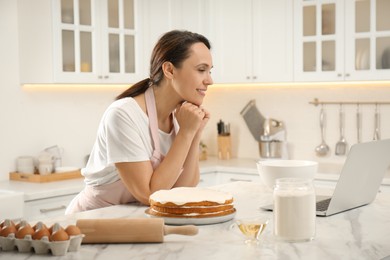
(93, 197)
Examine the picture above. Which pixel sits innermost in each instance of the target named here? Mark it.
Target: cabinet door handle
(235, 179)
(106, 76)
(52, 209)
(347, 75)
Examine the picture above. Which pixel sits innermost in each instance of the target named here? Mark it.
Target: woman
(148, 139)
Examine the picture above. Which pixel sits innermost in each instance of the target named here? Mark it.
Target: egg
(38, 234)
(55, 227)
(6, 222)
(24, 231)
(59, 235)
(6, 230)
(22, 224)
(39, 225)
(73, 230)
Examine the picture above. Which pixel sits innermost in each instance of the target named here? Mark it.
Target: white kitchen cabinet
(227, 177)
(208, 179)
(47, 207)
(215, 178)
(252, 41)
(80, 41)
(341, 40)
(166, 15)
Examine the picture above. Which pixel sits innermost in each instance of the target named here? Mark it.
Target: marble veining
(362, 233)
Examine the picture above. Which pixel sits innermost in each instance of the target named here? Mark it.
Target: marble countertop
(35, 191)
(362, 233)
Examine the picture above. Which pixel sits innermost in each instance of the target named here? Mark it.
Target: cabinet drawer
(225, 177)
(208, 179)
(50, 207)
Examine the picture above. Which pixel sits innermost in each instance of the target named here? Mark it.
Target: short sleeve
(123, 138)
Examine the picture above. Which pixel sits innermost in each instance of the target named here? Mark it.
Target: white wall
(33, 120)
(291, 105)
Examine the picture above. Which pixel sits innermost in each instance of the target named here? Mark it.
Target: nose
(208, 80)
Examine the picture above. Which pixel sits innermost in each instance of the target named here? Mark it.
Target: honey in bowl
(252, 228)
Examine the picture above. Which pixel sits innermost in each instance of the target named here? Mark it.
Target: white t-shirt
(123, 136)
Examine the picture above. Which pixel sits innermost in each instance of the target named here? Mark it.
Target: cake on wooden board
(190, 202)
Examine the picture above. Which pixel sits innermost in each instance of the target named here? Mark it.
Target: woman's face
(193, 77)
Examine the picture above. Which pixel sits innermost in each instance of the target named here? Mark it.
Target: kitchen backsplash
(290, 104)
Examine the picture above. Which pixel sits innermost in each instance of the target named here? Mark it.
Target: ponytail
(135, 90)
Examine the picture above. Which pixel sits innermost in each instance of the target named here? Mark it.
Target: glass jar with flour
(294, 209)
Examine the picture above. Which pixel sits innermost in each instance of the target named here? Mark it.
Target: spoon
(377, 135)
(358, 124)
(323, 148)
(341, 145)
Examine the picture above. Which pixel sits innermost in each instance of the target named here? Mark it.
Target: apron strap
(152, 113)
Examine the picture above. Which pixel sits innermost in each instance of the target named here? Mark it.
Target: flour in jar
(294, 215)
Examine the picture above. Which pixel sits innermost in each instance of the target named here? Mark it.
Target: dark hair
(173, 46)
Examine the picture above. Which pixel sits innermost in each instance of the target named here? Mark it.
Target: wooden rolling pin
(136, 230)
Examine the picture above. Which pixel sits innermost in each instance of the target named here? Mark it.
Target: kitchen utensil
(377, 135)
(341, 145)
(136, 230)
(323, 148)
(358, 124)
(253, 119)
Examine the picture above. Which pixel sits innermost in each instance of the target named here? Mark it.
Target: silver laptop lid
(361, 176)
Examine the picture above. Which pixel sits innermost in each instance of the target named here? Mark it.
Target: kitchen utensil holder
(224, 147)
(317, 102)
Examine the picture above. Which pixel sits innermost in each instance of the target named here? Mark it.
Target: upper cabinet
(80, 41)
(342, 40)
(165, 15)
(252, 41)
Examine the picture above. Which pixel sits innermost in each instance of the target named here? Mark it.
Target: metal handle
(52, 209)
(235, 179)
(106, 76)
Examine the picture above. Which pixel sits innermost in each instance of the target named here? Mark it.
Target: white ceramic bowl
(270, 170)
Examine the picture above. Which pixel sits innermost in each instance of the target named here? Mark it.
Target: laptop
(359, 181)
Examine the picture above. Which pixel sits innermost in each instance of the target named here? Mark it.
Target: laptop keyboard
(322, 205)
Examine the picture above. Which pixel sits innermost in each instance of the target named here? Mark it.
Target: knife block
(224, 147)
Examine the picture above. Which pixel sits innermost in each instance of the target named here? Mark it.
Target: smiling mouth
(202, 91)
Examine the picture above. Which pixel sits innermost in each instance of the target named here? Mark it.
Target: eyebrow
(205, 64)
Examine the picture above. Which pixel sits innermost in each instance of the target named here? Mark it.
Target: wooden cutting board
(15, 176)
